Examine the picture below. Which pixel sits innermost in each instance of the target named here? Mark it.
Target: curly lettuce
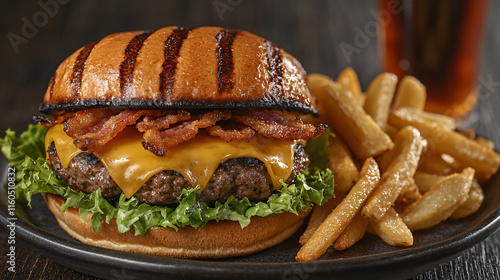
(27, 154)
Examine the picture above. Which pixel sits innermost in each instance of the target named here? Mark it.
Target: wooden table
(312, 31)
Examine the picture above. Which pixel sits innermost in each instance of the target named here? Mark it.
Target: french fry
(485, 142)
(434, 163)
(481, 175)
(444, 141)
(453, 162)
(352, 234)
(348, 119)
(346, 172)
(349, 80)
(409, 145)
(318, 215)
(392, 230)
(315, 83)
(430, 172)
(342, 215)
(472, 204)
(379, 98)
(410, 193)
(438, 203)
(425, 180)
(384, 160)
(391, 130)
(411, 93)
(361, 100)
(413, 115)
(469, 133)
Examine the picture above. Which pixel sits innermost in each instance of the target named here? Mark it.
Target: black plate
(370, 258)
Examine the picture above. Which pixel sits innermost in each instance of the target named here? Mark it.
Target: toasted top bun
(175, 67)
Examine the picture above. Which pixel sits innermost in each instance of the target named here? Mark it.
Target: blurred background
(325, 36)
(312, 31)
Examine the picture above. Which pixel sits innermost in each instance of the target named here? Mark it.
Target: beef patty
(241, 177)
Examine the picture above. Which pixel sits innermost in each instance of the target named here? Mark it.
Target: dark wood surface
(310, 30)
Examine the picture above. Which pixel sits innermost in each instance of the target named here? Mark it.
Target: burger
(187, 143)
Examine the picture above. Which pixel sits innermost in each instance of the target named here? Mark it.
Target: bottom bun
(215, 240)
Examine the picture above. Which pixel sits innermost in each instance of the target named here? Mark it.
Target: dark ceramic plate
(369, 258)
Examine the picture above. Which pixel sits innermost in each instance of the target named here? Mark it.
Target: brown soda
(438, 42)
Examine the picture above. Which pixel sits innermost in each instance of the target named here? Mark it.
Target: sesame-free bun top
(175, 67)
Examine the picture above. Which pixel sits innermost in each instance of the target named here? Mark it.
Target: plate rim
(58, 248)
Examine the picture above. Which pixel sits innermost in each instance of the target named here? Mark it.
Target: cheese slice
(130, 165)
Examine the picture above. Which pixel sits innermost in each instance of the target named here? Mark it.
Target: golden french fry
(346, 172)
(485, 142)
(483, 177)
(315, 83)
(349, 80)
(379, 98)
(319, 214)
(425, 180)
(411, 93)
(392, 230)
(469, 133)
(348, 119)
(391, 130)
(361, 100)
(342, 215)
(413, 115)
(410, 193)
(434, 163)
(409, 145)
(384, 160)
(438, 203)
(427, 167)
(352, 234)
(444, 141)
(472, 204)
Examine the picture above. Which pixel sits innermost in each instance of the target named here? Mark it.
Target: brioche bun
(180, 68)
(216, 240)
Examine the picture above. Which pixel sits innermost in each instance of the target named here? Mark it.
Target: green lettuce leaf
(318, 150)
(31, 143)
(314, 186)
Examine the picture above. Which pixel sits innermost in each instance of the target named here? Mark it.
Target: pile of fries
(398, 168)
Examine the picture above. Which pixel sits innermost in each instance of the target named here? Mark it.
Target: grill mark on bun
(172, 48)
(275, 68)
(78, 67)
(263, 74)
(127, 66)
(225, 64)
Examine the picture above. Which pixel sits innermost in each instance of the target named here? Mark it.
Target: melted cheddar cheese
(130, 165)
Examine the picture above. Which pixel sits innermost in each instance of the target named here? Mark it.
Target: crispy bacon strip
(86, 121)
(163, 122)
(279, 125)
(244, 135)
(55, 120)
(162, 130)
(158, 142)
(93, 128)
